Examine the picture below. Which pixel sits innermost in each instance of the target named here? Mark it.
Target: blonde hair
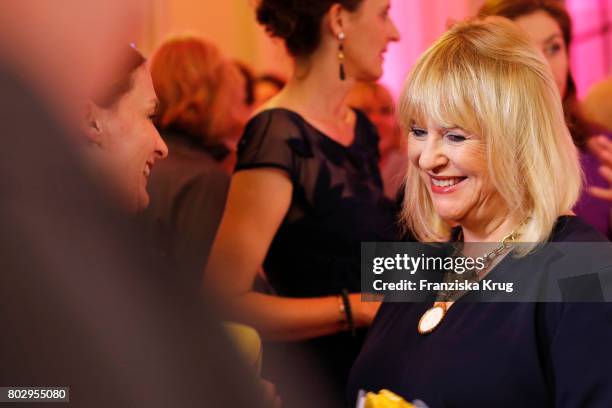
(192, 80)
(484, 77)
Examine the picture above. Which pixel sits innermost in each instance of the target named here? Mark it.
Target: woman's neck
(315, 89)
(492, 230)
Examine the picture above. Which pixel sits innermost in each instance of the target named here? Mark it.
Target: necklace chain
(434, 316)
(446, 296)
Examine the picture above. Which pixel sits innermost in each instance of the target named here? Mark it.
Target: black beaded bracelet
(349, 312)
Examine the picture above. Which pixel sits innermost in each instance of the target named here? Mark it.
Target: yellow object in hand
(386, 399)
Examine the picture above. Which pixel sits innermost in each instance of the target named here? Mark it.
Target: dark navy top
(338, 202)
(494, 354)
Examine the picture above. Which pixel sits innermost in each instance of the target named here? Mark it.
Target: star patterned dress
(338, 202)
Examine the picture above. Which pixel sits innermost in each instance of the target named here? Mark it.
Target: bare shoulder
(278, 101)
(263, 178)
(263, 193)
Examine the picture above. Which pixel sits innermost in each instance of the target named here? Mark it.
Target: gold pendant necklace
(433, 316)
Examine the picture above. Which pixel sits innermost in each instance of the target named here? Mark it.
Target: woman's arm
(284, 319)
(257, 203)
(601, 146)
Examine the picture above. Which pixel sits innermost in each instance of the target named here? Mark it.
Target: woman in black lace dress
(307, 190)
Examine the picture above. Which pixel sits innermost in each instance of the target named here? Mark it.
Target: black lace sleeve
(268, 141)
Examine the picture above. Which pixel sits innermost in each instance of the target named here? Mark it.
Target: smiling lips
(147, 169)
(444, 185)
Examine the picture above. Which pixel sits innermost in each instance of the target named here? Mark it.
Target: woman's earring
(341, 38)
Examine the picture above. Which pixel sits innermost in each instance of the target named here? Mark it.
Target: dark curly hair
(580, 129)
(298, 22)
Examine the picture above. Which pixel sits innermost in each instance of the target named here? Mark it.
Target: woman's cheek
(414, 152)
(560, 69)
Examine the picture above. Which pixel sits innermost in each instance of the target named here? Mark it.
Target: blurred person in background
(266, 86)
(597, 104)
(307, 189)
(376, 102)
(249, 82)
(549, 26)
(201, 113)
(202, 97)
(597, 108)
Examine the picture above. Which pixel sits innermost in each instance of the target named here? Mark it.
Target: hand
(272, 399)
(363, 311)
(601, 147)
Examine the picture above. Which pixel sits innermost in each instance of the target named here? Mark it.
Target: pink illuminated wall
(592, 47)
(421, 22)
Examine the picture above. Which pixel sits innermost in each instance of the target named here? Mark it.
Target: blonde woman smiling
(490, 160)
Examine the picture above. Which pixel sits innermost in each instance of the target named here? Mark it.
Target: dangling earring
(341, 38)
